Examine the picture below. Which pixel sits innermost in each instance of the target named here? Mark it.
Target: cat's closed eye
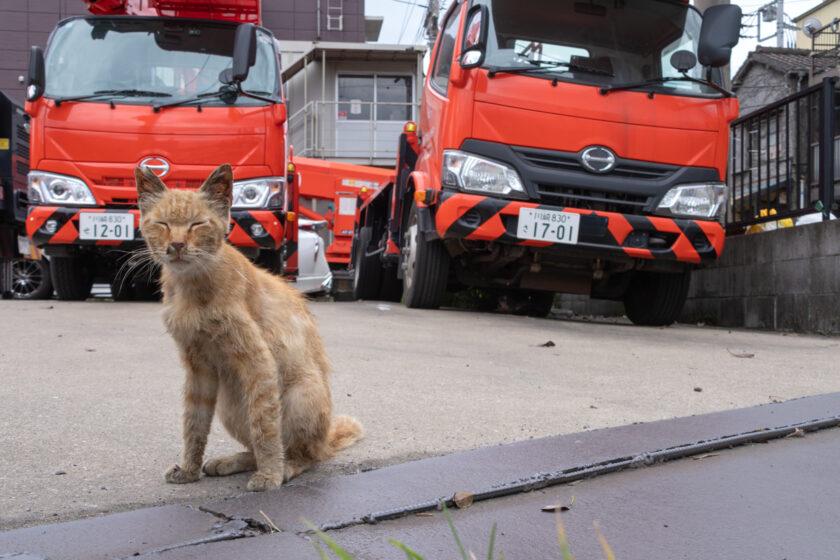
(197, 224)
(163, 225)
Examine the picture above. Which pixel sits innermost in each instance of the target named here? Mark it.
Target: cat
(247, 341)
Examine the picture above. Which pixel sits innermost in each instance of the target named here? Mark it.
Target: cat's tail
(344, 432)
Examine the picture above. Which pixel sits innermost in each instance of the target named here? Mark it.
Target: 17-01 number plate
(548, 225)
(118, 226)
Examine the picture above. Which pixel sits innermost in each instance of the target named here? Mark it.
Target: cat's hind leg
(230, 464)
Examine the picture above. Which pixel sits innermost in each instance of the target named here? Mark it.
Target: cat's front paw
(177, 475)
(260, 482)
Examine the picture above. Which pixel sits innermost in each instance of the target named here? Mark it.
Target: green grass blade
(561, 536)
(410, 554)
(321, 553)
(607, 550)
(343, 554)
(492, 542)
(454, 532)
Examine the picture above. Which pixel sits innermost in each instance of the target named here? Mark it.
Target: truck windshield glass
(596, 42)
(136, 60)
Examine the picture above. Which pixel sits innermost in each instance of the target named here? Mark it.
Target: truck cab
(179, 95)
(566, 146)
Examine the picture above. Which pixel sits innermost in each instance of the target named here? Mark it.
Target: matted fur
(248, 343)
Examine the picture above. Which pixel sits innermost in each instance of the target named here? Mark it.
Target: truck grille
(586, 199)
(569, 161)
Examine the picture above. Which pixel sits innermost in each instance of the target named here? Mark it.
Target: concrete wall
(787, 279)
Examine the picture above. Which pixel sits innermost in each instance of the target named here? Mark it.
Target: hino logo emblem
(598, 159)
(158, 165)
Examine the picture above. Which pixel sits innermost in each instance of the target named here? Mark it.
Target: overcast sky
(403, 20)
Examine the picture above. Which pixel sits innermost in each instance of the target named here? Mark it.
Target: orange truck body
(547, 126)
(99, 140)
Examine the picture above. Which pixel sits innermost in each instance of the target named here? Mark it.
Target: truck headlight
(701, 200)
(51, 188)
(265, 192)
(476, 174)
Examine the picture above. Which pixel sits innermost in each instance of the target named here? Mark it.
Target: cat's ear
(218, 187)
(149, 187)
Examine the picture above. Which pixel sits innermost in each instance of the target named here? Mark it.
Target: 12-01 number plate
(118, 226)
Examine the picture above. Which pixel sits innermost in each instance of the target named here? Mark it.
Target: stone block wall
(787, 279)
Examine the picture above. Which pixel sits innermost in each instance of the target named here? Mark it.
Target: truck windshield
(597, 42)
(138, 60)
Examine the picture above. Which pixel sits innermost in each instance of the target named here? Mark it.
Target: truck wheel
(31, 279)
(426, 266)
(391, 288)
(656, 298)
(122, 288)
(367, 271)
(539, 304)
(71, 278)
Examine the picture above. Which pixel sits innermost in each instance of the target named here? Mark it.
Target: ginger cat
(246, 338)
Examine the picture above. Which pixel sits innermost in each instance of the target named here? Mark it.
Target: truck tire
(31, 279)
(71, 277)
(539, 303)
(391, 287)
(122, 288)
(367, 270)
(426, 266)
(656, 298)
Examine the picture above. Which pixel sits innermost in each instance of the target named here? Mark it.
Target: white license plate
(548, 225)
(117, 226)
(23, 245)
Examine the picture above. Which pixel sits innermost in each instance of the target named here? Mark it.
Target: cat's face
(184, 229)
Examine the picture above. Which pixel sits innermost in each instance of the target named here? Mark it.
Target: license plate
(548, 225)
(117, 226)
(23, 245)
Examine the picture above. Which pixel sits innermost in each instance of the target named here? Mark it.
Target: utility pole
(780, 23)
(431, 22)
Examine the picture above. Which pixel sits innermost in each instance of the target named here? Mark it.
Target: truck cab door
(435, 111)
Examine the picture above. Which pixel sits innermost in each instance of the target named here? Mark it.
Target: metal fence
(784, 159)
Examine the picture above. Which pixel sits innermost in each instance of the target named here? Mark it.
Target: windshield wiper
(661, 80)
(539, 65)
(228, 94)
(112, 93)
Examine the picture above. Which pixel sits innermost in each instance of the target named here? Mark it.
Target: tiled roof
(785, 61)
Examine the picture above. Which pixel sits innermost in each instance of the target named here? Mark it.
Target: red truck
(178, 86)
(562, 146)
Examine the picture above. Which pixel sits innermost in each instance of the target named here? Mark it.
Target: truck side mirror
(720, 32)
(36, 80)
(475, 38)
(244, 51)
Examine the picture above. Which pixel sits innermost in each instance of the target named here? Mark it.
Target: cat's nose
(177, 246)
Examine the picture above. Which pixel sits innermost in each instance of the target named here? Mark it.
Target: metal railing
(328, 129)
(825, 46)
(784, 159)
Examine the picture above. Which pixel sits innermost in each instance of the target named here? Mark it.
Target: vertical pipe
(827, 144)
(323, 97)
(778, 147)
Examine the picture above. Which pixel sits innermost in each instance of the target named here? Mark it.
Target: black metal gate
(784, 159)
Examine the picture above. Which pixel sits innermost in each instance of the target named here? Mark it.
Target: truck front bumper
(602, 234)
(50, 226)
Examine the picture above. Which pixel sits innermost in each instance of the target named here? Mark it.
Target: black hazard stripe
(487, 208)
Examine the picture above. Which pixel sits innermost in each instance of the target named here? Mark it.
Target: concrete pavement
(695, 487)
(90, 392)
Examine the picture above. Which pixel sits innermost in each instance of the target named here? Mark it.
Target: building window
(387, 98)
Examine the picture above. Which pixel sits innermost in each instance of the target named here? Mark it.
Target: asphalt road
(90, 391)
